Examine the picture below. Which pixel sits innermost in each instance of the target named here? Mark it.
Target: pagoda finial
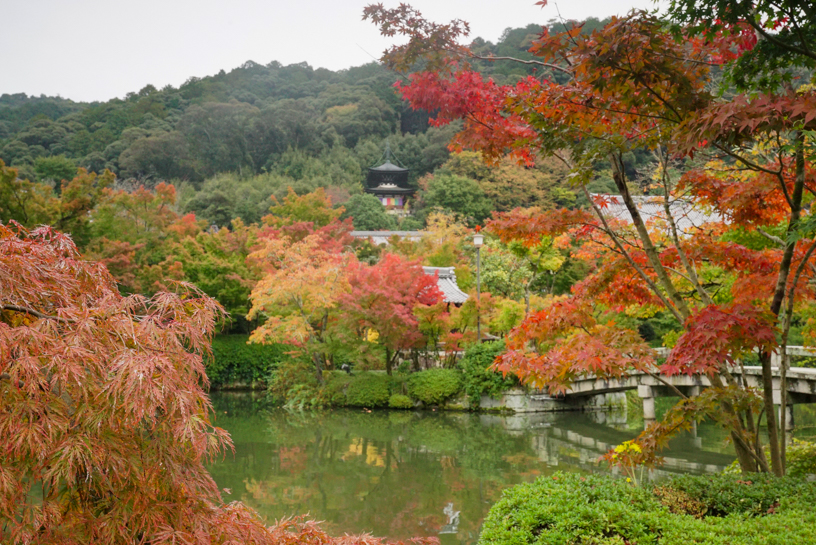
(387, 150)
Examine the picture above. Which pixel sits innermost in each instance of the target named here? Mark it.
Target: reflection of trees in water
(393, 473)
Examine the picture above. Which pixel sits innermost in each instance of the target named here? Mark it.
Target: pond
(401, 474)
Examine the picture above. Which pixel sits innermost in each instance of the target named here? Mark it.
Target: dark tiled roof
(687, 216)
(446, 280)
(388, 166)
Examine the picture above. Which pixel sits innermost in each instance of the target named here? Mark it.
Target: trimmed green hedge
(478, 379)
(588, 509)
(368, 390)
(235, 361)
(374, 389)
(400, 401)
(434, 386)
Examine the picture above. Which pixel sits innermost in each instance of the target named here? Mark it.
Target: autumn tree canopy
(641, 83)
(107, 423)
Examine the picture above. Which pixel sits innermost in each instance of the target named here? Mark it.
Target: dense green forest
(229, 142)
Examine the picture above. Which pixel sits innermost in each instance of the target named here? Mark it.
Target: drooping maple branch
(750, 164)
(521, 61)
(771, 38)
(773, 238)
(665, 382)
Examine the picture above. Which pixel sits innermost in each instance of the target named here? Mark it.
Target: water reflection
(403, 474)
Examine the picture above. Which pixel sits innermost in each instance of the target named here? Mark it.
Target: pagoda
(389, 183)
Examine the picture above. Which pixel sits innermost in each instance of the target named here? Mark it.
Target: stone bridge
(801, 385)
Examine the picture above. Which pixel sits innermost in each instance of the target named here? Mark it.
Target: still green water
(401, 474)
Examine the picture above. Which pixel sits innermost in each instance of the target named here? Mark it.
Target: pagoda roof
(388, 166)
(446, 280)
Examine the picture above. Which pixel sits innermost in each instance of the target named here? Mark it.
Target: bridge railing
(776, 357)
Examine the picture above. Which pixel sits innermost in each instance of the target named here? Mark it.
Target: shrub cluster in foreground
(710, 510)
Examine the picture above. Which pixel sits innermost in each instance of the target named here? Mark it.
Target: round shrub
(399, 401)
(368, 390)
(334, 391)
(801, 458)
(434, 386)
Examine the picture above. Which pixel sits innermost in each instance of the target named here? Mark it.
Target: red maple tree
(382, 298)
(105, 423)
(639, 84)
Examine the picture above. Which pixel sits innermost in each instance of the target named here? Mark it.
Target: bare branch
(32, 312)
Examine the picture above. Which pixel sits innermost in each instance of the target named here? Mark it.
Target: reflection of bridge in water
(583, 438)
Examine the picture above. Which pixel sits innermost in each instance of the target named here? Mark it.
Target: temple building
(389, 183)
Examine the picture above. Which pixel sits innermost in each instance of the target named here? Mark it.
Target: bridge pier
(788, 416)
(646, 394)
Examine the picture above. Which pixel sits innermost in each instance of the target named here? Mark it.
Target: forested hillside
(229, 141)
(144, 183)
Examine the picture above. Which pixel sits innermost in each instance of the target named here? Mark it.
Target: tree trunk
(746, 461)
(527, 300)
(776, 303)
(318, 362)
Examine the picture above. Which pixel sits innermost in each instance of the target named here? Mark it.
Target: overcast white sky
(99, 49)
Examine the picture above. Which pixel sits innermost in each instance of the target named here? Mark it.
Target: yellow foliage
(302, 284)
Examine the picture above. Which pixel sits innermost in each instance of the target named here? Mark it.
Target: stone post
(694, 391)
(645, 393)
(788, 416)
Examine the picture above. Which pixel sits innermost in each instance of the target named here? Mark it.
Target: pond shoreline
(513, 400)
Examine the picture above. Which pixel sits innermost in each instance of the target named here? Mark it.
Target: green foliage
(368, 390)
(572, 508)
(458, 194)
(400, 401)
(434, 386)
(800, 457)
(503, 272)
(479, 380)
(55, 168)
(292, 383)
(752, 494)
(368, 214)
(507, 314)
(235, 361)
